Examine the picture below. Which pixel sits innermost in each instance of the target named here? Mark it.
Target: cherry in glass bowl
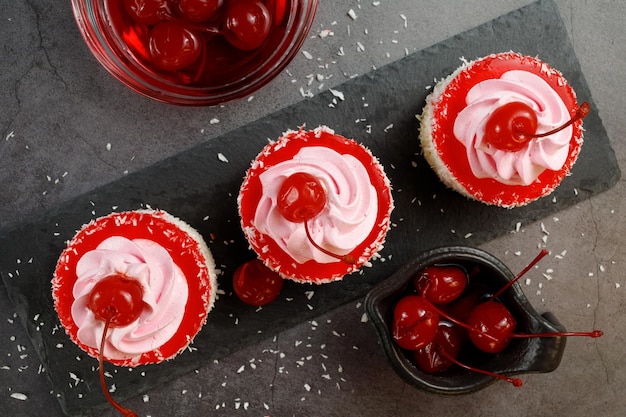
(487, 276)
(194, 52)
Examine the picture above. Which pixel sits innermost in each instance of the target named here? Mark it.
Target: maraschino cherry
(415, 322)
(441, 284)
(116, 300)
(494, 325)
(148, 12)
(198, 10)
(173, 46)
(302, 197)
(512, 125)
(247, 24)
(449, 338)
(492, 318)
(256, 284)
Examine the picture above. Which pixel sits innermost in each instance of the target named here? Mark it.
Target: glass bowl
(219, 73)
(523, 355)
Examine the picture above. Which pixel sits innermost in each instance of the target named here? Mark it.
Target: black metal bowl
(523, 355)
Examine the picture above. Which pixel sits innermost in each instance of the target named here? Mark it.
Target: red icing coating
(452, 100)
(185, 252)
(268, 250)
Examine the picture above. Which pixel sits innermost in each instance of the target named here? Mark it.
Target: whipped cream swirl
(165, 294)
(345, 222)
(520, 167)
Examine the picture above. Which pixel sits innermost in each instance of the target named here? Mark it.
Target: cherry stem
(124, 411)
(348, 258)
(581, 112)
(406, 330)
(594, 334)
(516, 382)
(464, 325)
(543, 253)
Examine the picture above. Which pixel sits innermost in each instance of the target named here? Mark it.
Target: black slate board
(201, 189)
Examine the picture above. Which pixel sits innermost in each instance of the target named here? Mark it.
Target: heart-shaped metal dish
(523, 355)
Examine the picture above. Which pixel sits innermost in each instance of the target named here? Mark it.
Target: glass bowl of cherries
(454, 320)
(194, 52)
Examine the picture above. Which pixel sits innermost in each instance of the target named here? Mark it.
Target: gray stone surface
(67, 127)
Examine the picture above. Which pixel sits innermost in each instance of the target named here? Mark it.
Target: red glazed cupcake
(489, 129)
(158, 262)
(315, 206)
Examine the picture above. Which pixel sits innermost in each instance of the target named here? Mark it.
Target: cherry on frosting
(302, 197)
(513, 124)
(116, 300)
(256, 284)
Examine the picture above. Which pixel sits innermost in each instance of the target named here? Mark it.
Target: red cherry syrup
(199, 42)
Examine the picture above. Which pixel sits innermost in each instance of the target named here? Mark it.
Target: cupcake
(144, 279)
(504, 129)
(315, 206)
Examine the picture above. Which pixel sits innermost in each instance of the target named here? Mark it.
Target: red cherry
(147, 12)
(496, 327)
(509, 126)
(494, 319)
(256, 284)
(301, 197)
(512, 125)
(441, 284)
(415, 322)
(247, 24)
(198, 10)
(172, 46)
(449, 338)
(117, 298)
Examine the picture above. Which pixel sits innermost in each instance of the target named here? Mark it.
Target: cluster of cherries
(301, 198)
(435, 321)
(177, 34)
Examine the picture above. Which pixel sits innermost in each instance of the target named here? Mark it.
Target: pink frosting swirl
(520, 167)
(165, 294)
(347, 219)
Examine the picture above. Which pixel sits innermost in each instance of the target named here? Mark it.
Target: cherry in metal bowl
(194, 52)
(522, 355)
